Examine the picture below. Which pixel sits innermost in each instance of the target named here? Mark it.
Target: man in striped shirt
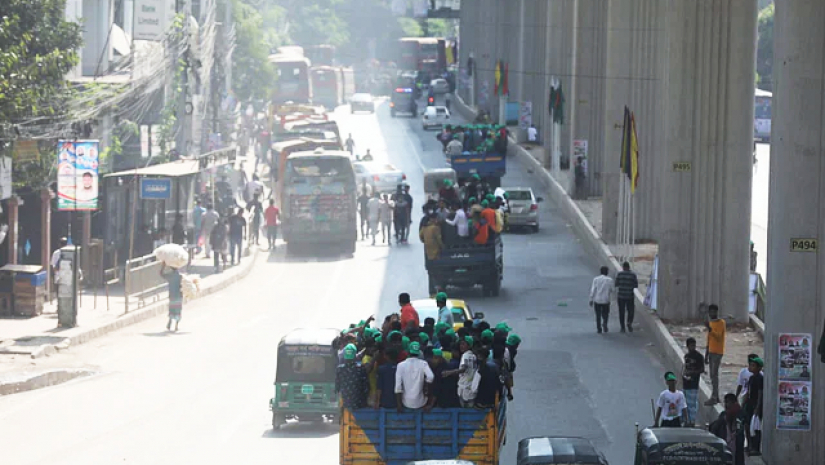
(625, 283)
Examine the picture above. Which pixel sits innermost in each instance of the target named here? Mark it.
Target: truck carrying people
(416, 390)
(476, 149)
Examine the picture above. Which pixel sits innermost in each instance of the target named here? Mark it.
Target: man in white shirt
(460, 222)
(455, 147)
(532, 134)
(374, 214)
(445, 313)
(671, 406)
(410, 377)
(742, 379)
(600, 293)
(56, 259)
(255, 186)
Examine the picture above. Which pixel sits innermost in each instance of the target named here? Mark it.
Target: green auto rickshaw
(305, 377)
(680, 446)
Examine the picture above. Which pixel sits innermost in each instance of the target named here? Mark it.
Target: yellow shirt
(372, 376)
(447, 356)
(716, 337)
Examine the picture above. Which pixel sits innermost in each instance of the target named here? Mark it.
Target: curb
(144, 313)
(37, 380)
(671, 354)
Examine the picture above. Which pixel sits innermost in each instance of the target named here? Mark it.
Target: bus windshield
(319, 167)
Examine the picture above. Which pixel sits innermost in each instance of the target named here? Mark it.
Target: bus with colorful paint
(386, 437)
(293, 83)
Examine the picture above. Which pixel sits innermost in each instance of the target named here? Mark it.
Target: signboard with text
(152, 18)
(155, 188)
(77, 174)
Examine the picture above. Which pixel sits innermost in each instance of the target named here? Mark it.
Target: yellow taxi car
(427, 308)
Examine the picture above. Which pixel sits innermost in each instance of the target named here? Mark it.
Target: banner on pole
(795, 389)
(77, 175)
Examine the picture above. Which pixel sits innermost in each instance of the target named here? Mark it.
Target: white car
(524, 207)
(435, 116)
(361, 102)
(440, 86)
(381, 177)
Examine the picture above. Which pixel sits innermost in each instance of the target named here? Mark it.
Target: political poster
(77, 175)
(794, 403)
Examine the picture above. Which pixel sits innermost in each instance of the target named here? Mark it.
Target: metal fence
(143, 281)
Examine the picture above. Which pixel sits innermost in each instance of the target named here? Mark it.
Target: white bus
(762, 116)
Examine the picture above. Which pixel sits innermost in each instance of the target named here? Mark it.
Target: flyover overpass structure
(686, 69)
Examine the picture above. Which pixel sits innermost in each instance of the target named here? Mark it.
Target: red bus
(293, 84)
(331, 85)
(320, 55)
(427, 54)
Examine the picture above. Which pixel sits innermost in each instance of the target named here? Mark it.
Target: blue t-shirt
(386, 384)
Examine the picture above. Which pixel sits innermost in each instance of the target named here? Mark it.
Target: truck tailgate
(386, 437)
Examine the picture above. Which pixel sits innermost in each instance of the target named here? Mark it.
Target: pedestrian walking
(350, 144)
(409, 199)
(400, 216)
(744, 376)
(363, 203)
(600, 293)
(626, 282)
(692, 370)
(237, 232)
(671, 407)
(385, 219)
(373, 213)
(217, 241)
(210, 219)
(411, 375)
(197, 220)
(253, 188)
(272, 215)
(715, 349)
(753, 406)
(580, 178)
(174, 278)
(257, 212)
(178, 231)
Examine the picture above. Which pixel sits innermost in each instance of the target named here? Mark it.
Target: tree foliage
(764, 48)
(37, 48)
(253, 75)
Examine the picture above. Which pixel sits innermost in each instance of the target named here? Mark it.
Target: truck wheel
(278, 419)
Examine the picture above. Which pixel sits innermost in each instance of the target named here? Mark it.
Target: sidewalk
(584, 218)
(25, 340)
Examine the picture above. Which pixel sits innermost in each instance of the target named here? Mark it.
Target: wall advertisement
(77, 174)
(794, 405)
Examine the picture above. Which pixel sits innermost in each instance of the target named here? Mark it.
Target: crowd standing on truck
(407, 366)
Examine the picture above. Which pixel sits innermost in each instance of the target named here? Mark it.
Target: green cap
(487, 335)
(513, 340)
(476, 176)
(415, 348)
(472, 200)
(349, 352)
(362, 323)
(441, 326)
(368, 332)
(506, 195)
(503, 327)
(448, 183)
(669, 376)
(405, 342)
(378, 338)
(758, 361)
(389, 336)
(490, 197)
(469, 340)
(438, 353)
(450, 332)
(441, 296)
(425, 338)
(485, 203)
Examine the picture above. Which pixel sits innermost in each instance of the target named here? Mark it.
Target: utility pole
(183, 142)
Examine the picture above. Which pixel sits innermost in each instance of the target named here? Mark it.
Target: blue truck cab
(490, 166)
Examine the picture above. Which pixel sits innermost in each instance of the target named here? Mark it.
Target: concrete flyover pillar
(589, 94)
(634, 78)
(705, 212)
(797, 203)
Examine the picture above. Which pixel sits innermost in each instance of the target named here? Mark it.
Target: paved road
(201, 396)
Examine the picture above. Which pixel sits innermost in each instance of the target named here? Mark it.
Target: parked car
(381, 177)
(440, 86)
(435, 116)
(524, 207)
(362, 102)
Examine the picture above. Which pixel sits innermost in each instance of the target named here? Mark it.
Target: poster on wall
(580, 150)
(77, 174)
(794, 403)
(525, 117)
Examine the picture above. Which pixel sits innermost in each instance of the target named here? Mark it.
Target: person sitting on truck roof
(454, 146)
(351, 380)
(412, 379)
(431, 237)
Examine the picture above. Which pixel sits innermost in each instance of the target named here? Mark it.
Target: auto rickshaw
(558, 450)
(680, 446)
(305, 377)
(434, 180)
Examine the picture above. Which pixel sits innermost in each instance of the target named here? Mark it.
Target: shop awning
(170, 170)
